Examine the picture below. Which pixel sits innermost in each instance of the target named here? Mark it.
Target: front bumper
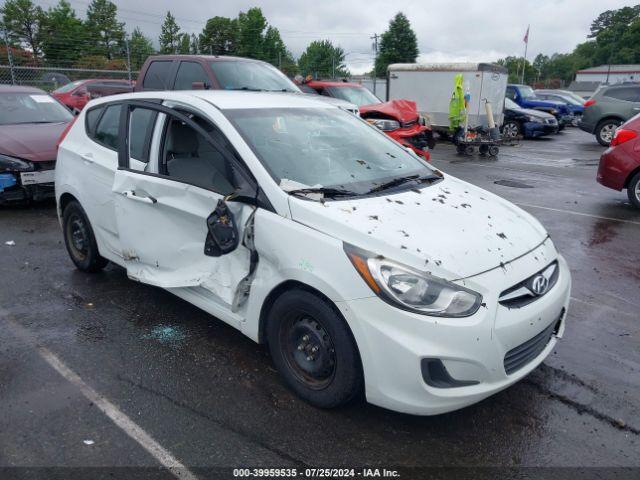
(417, 137)
(393, 343)
(537, 129)
(15, 187)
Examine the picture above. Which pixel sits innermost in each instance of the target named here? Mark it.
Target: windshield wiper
(401, 180)
(248, 89)
(325, 191)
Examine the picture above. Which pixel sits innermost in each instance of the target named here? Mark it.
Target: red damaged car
(398, 118)
(31, 121)
(620, 163)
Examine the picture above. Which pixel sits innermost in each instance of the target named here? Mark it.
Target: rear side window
(511, 93)
(157, 76)
(628, 94)
(108, 127)
(188, 73)
(141, 125)
(92, 119)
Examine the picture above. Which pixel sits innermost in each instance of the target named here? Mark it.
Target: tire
(494, 150)
(633, 190)
(605, 130)
(80, 240)
(313, 349)
(511, 130)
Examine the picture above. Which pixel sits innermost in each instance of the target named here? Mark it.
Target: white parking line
(136, 432)
(571, 212)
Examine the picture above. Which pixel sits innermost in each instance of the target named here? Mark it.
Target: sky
(462, 30)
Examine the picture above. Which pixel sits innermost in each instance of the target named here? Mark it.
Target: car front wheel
(313, 349)
(511, 130)
(633, 190)
(80, 240)
(605, 131)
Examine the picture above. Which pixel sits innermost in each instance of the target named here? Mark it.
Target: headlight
(531, 118)
(413, 290)
(11, 164)
(384, 124)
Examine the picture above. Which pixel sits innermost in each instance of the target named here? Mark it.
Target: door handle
(132, 195)
(87, 157)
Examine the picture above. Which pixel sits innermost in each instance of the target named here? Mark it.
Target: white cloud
(465, 30)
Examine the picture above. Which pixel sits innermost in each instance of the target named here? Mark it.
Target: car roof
(332, 83)
(209, 58)
(20, 89)
(227, 100)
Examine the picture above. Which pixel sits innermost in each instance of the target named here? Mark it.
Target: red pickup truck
(398, 118)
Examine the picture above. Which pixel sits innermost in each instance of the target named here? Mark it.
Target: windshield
(18, 108)
(576, 97)
(69, 86)
(510, 104)
(232, 75)
(357, 95)
(527, 92)
(324, 147)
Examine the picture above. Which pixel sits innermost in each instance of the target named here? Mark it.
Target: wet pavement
(211, 397)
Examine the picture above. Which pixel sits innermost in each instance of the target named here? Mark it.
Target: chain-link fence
(50, 78)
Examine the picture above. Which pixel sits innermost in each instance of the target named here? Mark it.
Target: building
(588, 80)
(609, 74)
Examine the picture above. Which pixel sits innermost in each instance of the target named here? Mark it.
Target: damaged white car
(362, 267)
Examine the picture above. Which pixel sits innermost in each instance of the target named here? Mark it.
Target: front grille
(518, 357)
(524, 293)
(551, 121)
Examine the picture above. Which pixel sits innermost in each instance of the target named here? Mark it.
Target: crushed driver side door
(162, 217)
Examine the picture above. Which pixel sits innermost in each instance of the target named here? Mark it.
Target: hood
(402, 110)
(450, 228)
(337, 102)
(534, 113)
(35, 142)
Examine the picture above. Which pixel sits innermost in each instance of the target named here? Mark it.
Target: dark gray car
(609, 108)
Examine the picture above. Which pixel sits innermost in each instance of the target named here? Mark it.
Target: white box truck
(431, 85)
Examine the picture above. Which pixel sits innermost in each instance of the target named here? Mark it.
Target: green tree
(251, 25)
(184, 44)
(106, 31)
(64, 39)
(170, 36)
(322, 59)
(275, 51)
(398, 44)
(23, 20)
(194, 44)
(219, 36)
(140, 47)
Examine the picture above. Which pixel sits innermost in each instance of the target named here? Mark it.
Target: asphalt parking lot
(209, 397)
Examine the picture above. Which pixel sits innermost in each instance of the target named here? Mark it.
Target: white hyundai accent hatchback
(362, 267)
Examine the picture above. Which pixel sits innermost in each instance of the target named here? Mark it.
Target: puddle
(512, 183)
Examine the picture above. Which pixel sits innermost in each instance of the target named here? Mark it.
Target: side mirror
(223, 234)
(199, 86)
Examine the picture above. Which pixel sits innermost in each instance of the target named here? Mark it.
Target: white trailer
(431, 86)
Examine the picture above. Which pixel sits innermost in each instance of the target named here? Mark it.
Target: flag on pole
(526, 36)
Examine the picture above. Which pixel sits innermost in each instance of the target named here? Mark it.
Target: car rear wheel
(605, 131)
(80, 240)
(633, 190)
(511, 130)
(313, 349)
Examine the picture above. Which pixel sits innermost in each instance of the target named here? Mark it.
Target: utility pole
(126, 45)
(9, 57)
(375, 57)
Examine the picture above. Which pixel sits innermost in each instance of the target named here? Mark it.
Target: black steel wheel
(80, 240)
(313, 349)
